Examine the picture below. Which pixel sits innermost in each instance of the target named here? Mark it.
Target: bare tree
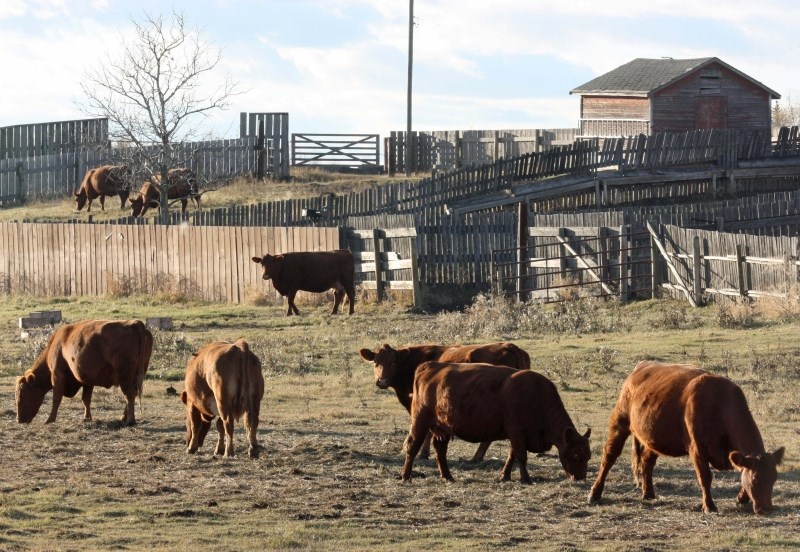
(152, 95)
(786, 112)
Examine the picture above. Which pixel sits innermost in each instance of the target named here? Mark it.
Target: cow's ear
(740, 461)
(588, 433)
(570, 434)
(257, 260)
(778, 455)
(183, 397)
(367, 355)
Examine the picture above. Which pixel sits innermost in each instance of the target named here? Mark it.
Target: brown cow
(316, 272)
(87, 354)
(679, 410)
(223, 379)
(108, 180)
(182, 185)
(395, 368)
(483, 402)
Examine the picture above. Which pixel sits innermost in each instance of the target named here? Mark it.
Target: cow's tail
(145, 350)
(243, 393)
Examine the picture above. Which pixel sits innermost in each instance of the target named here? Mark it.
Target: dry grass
(327, 477)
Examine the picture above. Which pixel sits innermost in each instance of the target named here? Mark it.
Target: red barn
(646, 96)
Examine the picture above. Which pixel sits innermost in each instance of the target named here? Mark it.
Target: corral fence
(602, 261)
(337, 151)
(32, 140)
(631, 262)
(58, 175)
(272, 128)
(444, 150)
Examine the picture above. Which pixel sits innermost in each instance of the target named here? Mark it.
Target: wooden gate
(336, 150)
(558, 263)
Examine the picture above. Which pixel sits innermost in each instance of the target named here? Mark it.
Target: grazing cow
(222, 379)
(108, 180)
(316, 271)
(395, 368)
(182, 185)
(87, 354)
(483, 402)
(679, 410)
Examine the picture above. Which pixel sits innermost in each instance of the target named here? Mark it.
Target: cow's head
(575, 453)
(137, 206)
(80, 199)
(385, 364)
(269, 263)
(29, 398)
(759, 473)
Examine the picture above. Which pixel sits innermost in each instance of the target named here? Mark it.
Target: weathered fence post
(376, 242)
(522, 251)
(697, 263)
(623, 263)
(654, 268)
(415, 275)
(260, 149)
(741, 267)
(562, 257)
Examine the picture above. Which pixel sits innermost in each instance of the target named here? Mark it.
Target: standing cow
(108, 180)
(395, 368)
(223, 379)
(483, 402)
(87, 354)
(316, 272)
(679, 409)
(182, 185)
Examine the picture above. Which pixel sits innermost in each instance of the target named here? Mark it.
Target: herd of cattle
(478, 393)
(114, 180)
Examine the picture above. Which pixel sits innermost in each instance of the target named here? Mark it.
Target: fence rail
(336, 150)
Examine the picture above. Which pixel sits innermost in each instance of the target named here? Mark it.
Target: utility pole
(408, 155)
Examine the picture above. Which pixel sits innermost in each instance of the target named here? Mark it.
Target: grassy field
(327, 475)
(303, 182)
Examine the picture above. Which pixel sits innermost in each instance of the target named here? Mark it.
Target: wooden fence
(273, 127)
(59, 175)
(32, 140)
(445, 150)
(92, 259)
(336, 151)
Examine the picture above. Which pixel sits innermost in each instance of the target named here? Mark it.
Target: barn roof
(643, 77)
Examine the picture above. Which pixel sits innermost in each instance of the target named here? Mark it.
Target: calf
(395, 368)
(679, 410)
(482, 402)
(225, 380)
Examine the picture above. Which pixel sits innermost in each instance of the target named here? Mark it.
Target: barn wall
(674, 107)
(614, 116)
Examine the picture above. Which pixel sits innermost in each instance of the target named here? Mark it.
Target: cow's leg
(704, 477)
(648, 462)
(184, 202)
(205, 425)
(520, 453)
(636, 461)
(417, 435)
(102, 203)
(193, 427)
(351, 297)
(505, 473)
(220, 450)
(338, 295)
(425, 451)
(292, 307)
(129, 417)
(480, 453)
(58, 394)
(619, 429)
(440, 445)
(86, 398)
(251, 426)
(228, 425)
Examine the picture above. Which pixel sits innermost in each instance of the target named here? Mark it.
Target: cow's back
(499, 354)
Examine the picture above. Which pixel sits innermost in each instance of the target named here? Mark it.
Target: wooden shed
(646, 96)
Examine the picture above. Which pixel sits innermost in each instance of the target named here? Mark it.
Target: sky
(340, 66)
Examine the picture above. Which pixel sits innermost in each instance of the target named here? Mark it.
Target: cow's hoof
(191, 450)
(253, 452)
(594, 498)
